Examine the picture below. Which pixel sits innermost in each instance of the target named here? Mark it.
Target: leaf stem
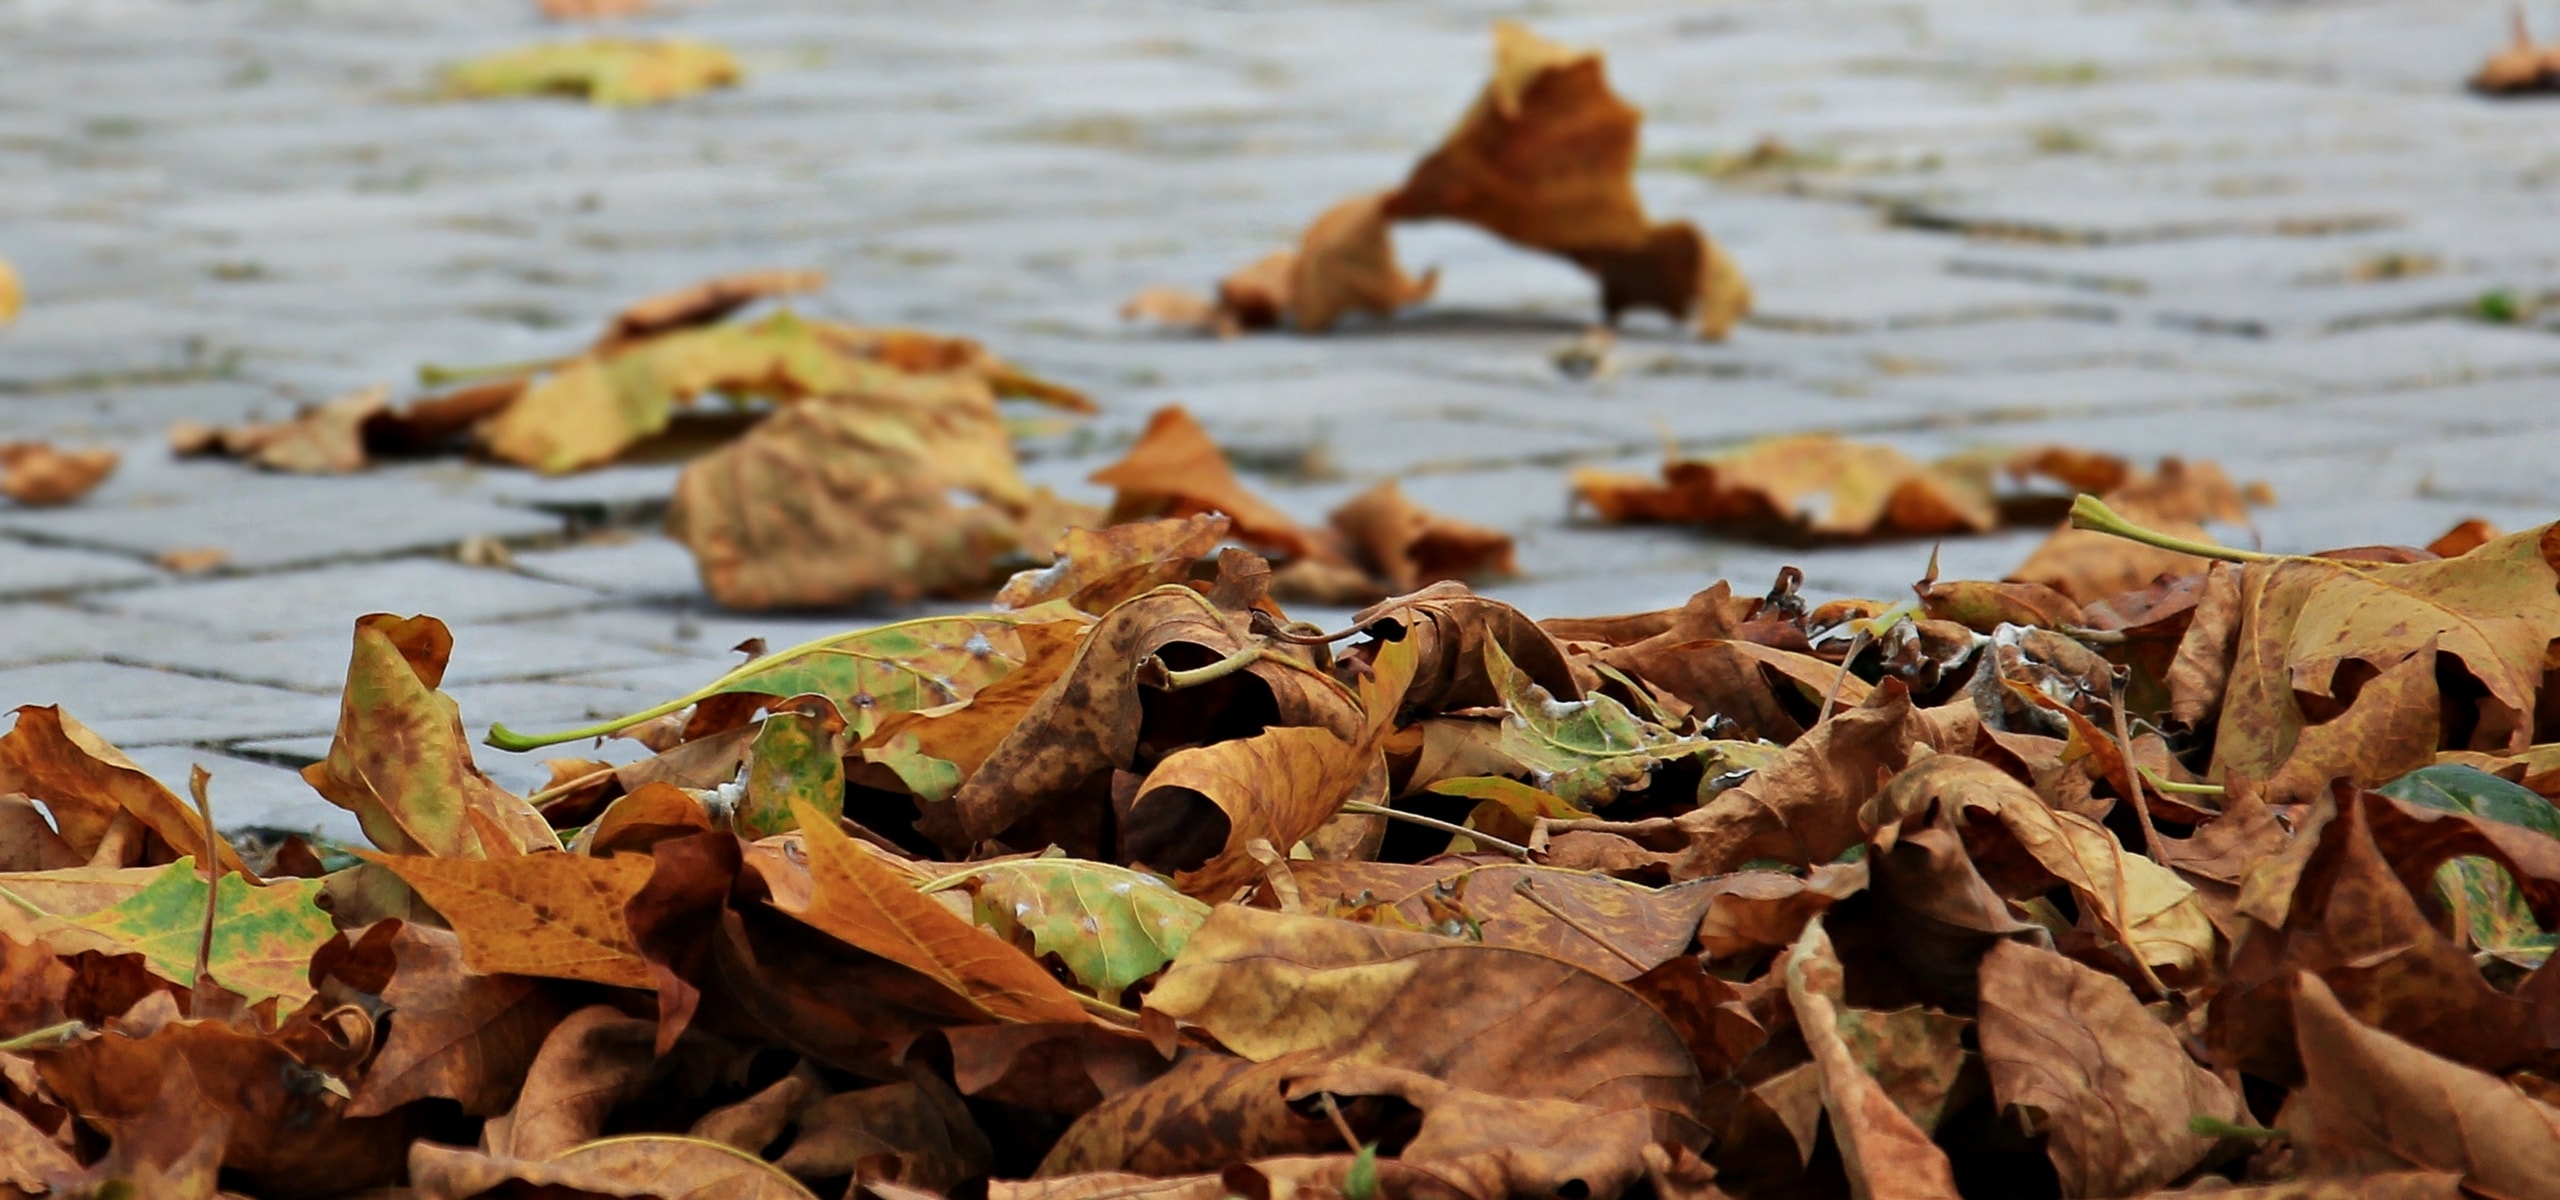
(2180, 789)
(507, 739)
(437, 375)
(2210, 1126)
(2090, 513)
(47, 1036)
(1379, 810)
(1152, 671)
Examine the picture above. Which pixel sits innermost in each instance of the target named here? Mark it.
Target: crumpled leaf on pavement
(38, 475)
(1545, 159)
(13, 296)
(607, 72)
(2522, 68)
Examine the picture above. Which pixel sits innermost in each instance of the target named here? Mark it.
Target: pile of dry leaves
(1132, 887)
(1544, 159)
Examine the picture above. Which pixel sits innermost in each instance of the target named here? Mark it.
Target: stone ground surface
(2143, 227)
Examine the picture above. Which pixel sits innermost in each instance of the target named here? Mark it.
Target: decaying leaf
(610, 72)
(34, 473)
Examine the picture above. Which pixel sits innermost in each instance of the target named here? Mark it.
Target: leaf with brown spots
(554, 915)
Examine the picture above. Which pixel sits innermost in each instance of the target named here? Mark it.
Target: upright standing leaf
(401, 762)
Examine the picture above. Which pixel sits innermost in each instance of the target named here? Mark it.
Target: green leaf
(868, 673)
(263, 936)
(1111, 926)
(796, 757)
(1585, 751)
(931, 779)
(2460, 788)
(1361, 1181)
(606, 71)
(2486, 905)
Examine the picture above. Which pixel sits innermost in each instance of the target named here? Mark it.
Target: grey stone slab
(37, 631)
(642, 566)
(248, 793)
(483, 652)
(333, 597)
(30, 570)
(133, 706)
(2074, 392)
(2393, 356)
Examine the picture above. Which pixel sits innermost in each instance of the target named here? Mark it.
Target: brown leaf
(1804, 807)
(1176, 470)
(865, 905)
(1096, 569)
(593, 1060)
(921, 1127)
(1609, 928)
(1888, 1157)
(400, 760)
(1774, 486)
(651, 1165)
(835, 500)
(455, 1033)
(1345, 263)
(2463, 538)
(2108, 1085)
(88, 785)
(701, 303)
(1545, 158)
(34, 473)
(285, 1135)
(1409, 547)
(2313, 630)
(2376, 1103)
(2351, 922)
(1277, 786)
(553, 915)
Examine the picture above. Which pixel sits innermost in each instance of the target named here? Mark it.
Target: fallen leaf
(700, 303)
(455, 1033)
(1111, 926)
(1409, 547)
(1887, 1156)
(1824, 485)
(609, 72)
(2374, 1103)
(261, 944)
(1175, 470)
(1545, 158)
(829, 501)
(87, 785)
(13, 296)
(1096, 569)
(857, 900)
(662, 1166)
(2107, 1083)
(551, 914)
(594, 1060)
(196, 561)
(36, 474)
(400, 760)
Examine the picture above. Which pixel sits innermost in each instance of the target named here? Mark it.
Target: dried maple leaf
(831, 501)
(455, 1033)
(400, 760)
(635, 1165)
(2372, 1102)
(1887, 1156)
(1546, 158)
(1784, 482)
(607, 72)
(1175, 470)
(34, 473)
(1408, 547)
(2108, 1084)
(703, 303)
(856, 899)
(1096, 569)
(259, 947)
(2313, 631)
(90, 786)
(555, 915)
(1344, 263)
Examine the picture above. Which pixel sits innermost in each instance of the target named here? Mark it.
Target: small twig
(2176, 788)
(1268, 626)
(1340, 1124)
(1531, 895)
(434, 374)
(557, 790)
(1153, 672)
(198, 780)
(2132, 772)
(1831, 699)
(47, 1036)
(1104, 1008)
(1513, 849)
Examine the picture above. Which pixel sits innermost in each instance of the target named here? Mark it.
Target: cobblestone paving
(2251, 232)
